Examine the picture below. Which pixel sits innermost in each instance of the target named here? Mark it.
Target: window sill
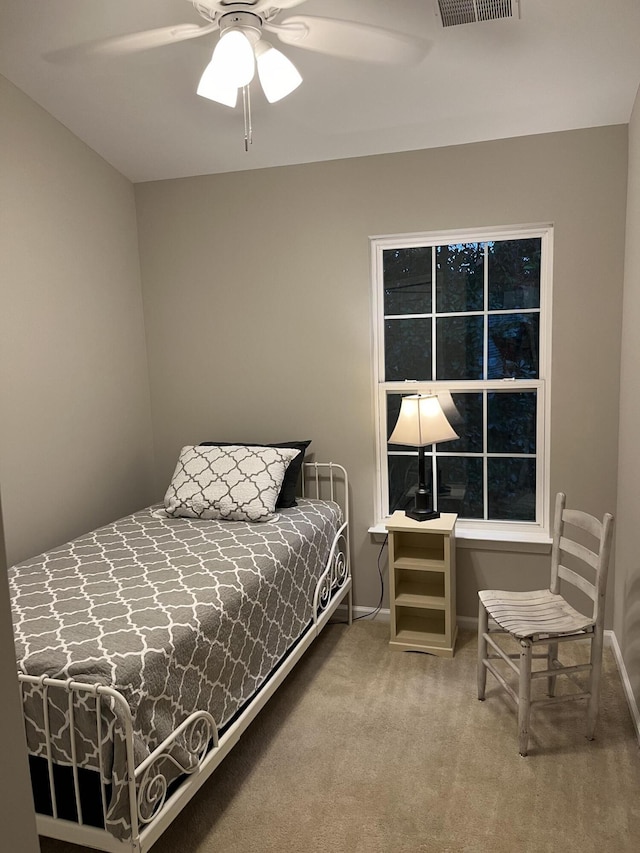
(532, 542)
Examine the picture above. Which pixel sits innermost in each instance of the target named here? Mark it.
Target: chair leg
(524, 696)
(594, 683)
(551, 656)
(483, 625)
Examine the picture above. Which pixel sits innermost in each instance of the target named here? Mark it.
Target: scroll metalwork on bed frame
(195, 736)
(335, 575)
(195, 747)
(337, 572)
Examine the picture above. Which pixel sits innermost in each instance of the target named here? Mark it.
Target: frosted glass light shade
(213, 87)
(278, 75)
(233, 58)
(421, 421)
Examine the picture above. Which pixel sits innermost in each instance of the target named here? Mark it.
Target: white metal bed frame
(151, 808)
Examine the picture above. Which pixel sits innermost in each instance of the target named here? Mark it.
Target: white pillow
(235, 483)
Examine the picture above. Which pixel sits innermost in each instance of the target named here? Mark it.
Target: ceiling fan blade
(350, 40)
(288, 4)
(131, 43)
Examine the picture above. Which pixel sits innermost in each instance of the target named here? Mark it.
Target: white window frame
(534, 531)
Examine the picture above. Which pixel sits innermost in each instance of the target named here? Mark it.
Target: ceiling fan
(338, 37)
(241, 48)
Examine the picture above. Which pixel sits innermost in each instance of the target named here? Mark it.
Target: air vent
(454, 12)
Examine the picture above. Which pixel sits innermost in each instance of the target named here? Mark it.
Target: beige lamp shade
(421, 421)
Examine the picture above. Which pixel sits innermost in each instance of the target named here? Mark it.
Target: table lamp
(421, 421)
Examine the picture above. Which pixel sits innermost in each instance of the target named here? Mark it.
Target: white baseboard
(467, 623)
(612, 640)
(382, 615)
(470, 623)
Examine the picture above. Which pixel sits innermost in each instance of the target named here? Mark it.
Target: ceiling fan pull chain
(246, 106)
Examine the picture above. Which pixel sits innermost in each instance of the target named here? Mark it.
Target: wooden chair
(544, 617)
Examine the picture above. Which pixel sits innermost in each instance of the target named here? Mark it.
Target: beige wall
(257, 305)
(17, 817)
(75, 425)
(75, 431)
(627, 614)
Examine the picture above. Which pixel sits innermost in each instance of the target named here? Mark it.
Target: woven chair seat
(533, 614)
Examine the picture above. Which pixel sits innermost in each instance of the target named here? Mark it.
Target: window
(467, 316)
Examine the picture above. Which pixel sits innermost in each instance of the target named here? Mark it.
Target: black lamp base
(421, 515)
(421, 511)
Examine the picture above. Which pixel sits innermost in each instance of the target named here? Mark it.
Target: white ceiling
(564, 64)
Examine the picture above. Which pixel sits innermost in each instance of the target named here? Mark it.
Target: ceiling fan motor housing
(215, 10)
(248, 22)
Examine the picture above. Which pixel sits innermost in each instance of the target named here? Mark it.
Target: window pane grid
(407, 317)
(510, 474)
(485, 336)
(434, 296)
(463, 455)
(485, 429)
(480, 313)
(506, 478)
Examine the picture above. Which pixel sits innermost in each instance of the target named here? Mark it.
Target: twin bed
(145, 648)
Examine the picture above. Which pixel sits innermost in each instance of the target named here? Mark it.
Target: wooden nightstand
(422, 583)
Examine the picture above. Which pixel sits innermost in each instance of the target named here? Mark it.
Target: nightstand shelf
(419, 589)
(420, 563)
(422, 584)
(417, 626)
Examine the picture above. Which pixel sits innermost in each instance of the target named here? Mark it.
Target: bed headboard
(326, 481)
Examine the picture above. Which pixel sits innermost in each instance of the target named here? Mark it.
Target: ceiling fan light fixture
(213, 87)
(233, 58)
(278, 75)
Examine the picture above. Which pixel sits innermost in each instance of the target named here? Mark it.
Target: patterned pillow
(234, 483)
(287, 496)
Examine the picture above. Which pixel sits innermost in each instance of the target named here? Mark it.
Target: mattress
(176, 614)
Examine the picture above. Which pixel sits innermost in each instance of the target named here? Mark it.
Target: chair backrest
(594, 582)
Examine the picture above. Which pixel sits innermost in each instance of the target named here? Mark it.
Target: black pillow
(287, 496)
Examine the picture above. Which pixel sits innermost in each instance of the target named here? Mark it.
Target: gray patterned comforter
(176, 614)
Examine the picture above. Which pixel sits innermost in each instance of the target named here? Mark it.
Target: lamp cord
(376, 609)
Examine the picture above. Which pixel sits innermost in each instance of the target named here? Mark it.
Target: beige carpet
(365, 750)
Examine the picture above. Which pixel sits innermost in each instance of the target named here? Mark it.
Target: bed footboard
(147, 801)
(73, 804)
